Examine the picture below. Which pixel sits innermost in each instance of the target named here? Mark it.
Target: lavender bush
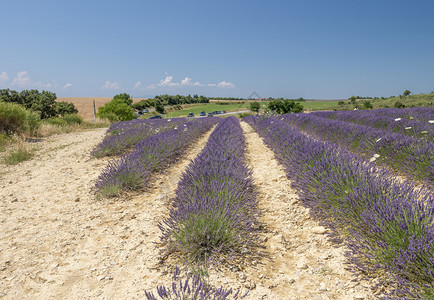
(422, 114)
(193, 288)
(122, 136)
(214, 210)
(411, 156)
(153, 154)
(387, 225)
(391, 120)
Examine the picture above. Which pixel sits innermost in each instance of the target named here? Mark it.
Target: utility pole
(94, 111)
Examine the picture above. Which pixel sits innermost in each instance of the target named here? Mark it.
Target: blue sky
(312, 49)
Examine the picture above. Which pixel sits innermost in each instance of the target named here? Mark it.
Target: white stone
(319, 230)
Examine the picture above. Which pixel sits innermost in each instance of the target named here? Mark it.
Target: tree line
(44, 103)
(278, 106)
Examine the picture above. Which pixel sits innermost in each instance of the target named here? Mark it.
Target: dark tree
(159, 107)
(64, 108)
(255, 106)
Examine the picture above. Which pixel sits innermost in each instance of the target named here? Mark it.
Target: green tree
(285, 106)
(118, 109)
(64, 108)
(255, 106)
(275, 106)
(142, 104)
(406, 93)
(159, 107)
(125, 98)
(40, 102)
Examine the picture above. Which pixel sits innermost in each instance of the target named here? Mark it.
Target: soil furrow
(58, 242)
(302, 263)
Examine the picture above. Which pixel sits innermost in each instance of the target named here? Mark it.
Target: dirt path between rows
(303, 264)
(58, 242)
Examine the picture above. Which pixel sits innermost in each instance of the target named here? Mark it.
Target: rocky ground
(59, 242)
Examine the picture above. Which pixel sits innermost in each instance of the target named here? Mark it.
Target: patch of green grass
(109, 191)
(4, 139)
(420, 100)
(319, 105)
(20, 154)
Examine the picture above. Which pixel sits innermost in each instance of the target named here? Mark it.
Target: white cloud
(22, 80)
(167, 82)
(4, 77)
(187, 81)
(110, 86)
(137, 85)
(68, 85)
(226, 84)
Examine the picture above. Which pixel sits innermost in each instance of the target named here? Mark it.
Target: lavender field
(364, 176)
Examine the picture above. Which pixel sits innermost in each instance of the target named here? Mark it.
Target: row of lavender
(422, 114)
(124, 135)
(213, 214)
(417, 122)
(153, 154)
(193, 288)
(410, 156)
(214, 211)
(386, 224)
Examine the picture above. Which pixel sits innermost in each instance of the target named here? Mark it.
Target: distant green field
(209, 107)
(319, 105)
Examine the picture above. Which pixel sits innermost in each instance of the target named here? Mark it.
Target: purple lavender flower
(132, 170)
(387, 225)
(124, 135)
(214, 211)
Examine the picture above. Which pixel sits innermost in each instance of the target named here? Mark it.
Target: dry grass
(85, 104)
(48, 129)
(17, 152)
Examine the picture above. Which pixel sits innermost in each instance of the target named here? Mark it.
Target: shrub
(177, 107)
(367, 105)
(73, 119)
(56, 121)
(398, 104)
(243, 115)
(118, 109)
(33, 123)
(14, 118)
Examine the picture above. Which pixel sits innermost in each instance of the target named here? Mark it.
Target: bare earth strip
(303, 264)
(58, 242)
